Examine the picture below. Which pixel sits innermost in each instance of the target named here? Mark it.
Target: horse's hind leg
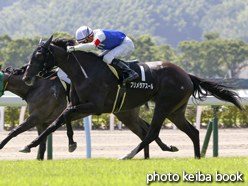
(162, 145)
(178, 118)
(42, 149)
(29, 123)
(140, 127)
(161, 111)
(131, 120)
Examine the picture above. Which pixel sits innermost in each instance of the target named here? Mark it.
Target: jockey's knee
(108, 58)
(63, 76)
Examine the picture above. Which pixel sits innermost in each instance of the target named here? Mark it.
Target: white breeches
(63, 76)
(125, 49)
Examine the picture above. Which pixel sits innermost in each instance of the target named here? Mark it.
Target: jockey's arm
(84, 47)
(99, 36)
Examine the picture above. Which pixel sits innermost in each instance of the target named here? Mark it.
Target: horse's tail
(214, 88)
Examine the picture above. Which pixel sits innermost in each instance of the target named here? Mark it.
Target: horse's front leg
(54, 126)
(73, 113)
(67, 116)
(29, 123)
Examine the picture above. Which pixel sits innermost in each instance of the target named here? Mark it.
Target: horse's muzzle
(29, 81)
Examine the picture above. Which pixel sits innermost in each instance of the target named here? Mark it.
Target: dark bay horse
(94, 89)
(47, 100)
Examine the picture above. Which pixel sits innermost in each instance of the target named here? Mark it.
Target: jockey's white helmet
(83, 33)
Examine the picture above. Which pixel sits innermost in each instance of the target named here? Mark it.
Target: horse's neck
(17, 86)
(73, 70)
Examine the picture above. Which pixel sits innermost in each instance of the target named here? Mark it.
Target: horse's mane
(20, 70)
(7, 70)
(15, 71)
(63, 42)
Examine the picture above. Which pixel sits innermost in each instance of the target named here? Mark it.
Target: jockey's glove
(70, 48)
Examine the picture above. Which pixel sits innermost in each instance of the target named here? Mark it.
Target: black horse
(94, 89)
(46, 101)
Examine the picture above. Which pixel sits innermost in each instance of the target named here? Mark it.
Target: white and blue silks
(116, 44)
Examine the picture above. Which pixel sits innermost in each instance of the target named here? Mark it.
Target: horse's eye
(39, 55)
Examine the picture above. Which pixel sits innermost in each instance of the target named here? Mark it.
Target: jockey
(63, 76)
(115, 43)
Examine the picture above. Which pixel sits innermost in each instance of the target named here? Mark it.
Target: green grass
(113, 172)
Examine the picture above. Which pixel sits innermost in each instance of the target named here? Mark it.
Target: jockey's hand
(70, 48)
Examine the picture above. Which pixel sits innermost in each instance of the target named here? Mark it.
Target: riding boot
(131, 74)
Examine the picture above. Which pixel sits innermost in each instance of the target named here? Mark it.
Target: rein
(45, 70)
(86, 76)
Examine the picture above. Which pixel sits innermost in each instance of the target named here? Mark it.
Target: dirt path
(113, 144)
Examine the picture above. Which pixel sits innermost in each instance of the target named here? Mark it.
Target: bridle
(48, 53)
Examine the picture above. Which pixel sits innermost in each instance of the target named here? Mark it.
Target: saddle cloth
(144, 81)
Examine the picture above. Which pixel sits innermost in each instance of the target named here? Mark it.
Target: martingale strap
(121, 92)
(119, 100)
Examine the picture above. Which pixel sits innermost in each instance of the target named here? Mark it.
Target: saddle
(144, 81)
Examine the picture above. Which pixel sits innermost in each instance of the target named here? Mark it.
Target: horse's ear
(8, 69)
(47, 43)
(40, 40)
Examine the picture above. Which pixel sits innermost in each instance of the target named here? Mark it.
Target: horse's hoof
(126, 157)
(72, 147)
(122, 158)
(25, 150)
(174, 149)
(198, 157)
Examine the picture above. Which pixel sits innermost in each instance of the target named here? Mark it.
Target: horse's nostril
(25, 78)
